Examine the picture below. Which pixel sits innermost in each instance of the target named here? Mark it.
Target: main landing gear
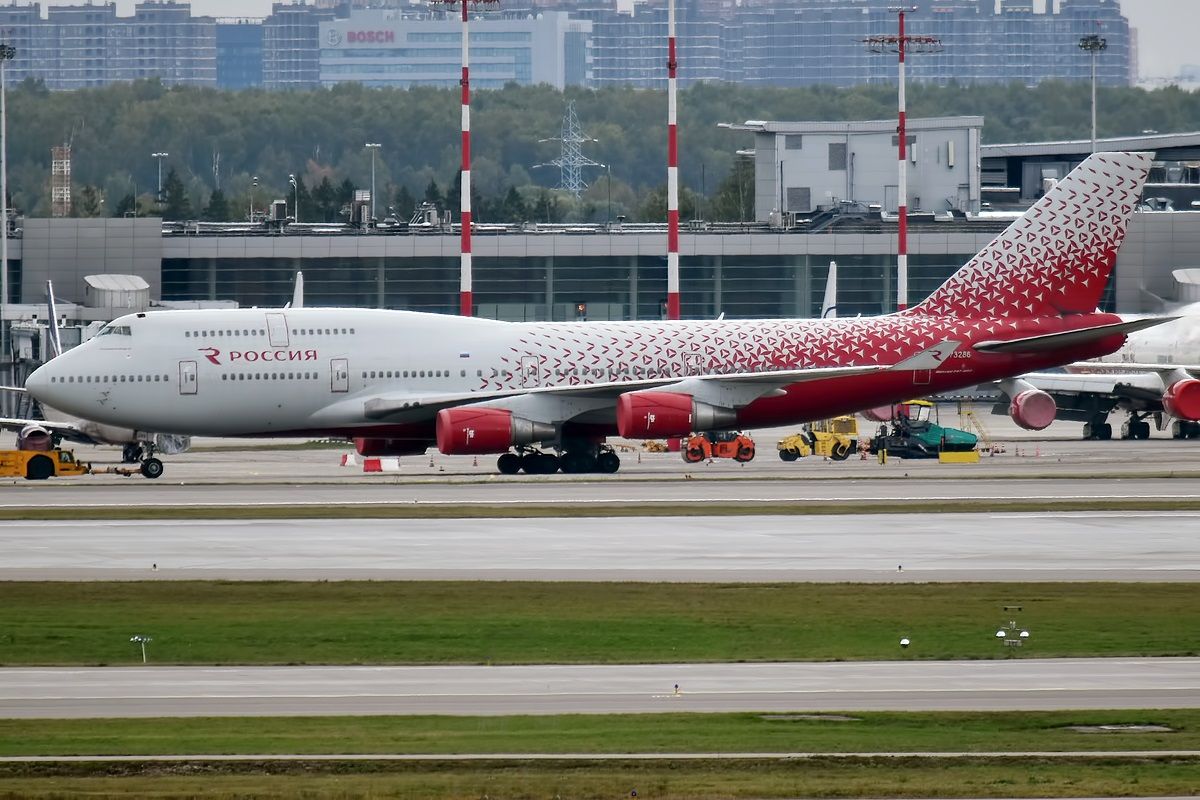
(143, 452)
(1135, 427)
(576, 459)
(1098, 428)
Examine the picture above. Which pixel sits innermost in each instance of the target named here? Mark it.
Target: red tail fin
(1057, 258)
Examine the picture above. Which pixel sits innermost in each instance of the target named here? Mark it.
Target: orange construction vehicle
(719, 444)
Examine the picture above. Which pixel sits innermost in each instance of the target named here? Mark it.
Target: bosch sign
(370, 37)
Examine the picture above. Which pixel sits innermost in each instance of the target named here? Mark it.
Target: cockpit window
(115, 330)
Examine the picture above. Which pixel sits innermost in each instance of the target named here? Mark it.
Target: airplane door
(277, 330)
(187, 377)
(339, 375)
(921, 377)
(693, 363)
(531, 373)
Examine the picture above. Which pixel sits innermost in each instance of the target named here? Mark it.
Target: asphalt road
(909, 547)
(1016, 684)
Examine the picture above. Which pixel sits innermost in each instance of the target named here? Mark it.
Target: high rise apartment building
(591, 43)
(74, 47)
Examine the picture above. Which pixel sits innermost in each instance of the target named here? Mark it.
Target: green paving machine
(912, 433)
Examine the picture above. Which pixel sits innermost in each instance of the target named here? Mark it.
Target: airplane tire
(1104, 432)
(1142, 431)
(547, 464)
(509, 464)
(608, 463)
(39, 468)
(152, 468)
(788, 455)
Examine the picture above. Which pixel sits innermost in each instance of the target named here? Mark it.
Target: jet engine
(391, 447)
(878, 414)
(1032, 409)
(35, 437)
(647, 415)
(474, 431)
(1182, 399)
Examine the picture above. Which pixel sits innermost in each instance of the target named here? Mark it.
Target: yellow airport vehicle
(833, 438)
(37, 465)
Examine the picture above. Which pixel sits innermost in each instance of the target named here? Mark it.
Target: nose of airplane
(38, 384)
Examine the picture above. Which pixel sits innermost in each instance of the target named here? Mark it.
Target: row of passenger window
(270, 376)
(110, 379)
(413, 373)
(261, 332)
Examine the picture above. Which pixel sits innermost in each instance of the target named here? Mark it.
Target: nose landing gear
(134, 452)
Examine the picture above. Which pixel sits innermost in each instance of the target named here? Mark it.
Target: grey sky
(1165, 27)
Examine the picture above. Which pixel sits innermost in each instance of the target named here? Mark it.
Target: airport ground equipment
(971, 422)
(913, 434)
(718, 444)
(38, 465)
(833, 438)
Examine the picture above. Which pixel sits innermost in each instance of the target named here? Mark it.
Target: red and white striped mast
(901, 43)
(466, 306)
(672, 174)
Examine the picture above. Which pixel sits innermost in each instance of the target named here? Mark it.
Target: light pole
(902, 44)
(372, 146)
(1093, 45)
(142, 640)
(160, 157)
(7, 53)
(253, 186)
(296, 205)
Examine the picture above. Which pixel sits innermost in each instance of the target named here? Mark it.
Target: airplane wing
(730, 390)
(762, 383)
(1082, 396)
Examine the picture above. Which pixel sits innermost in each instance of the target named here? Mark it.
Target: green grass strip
(624, 509)
(662, 780)
(485, 622)
(868, 732)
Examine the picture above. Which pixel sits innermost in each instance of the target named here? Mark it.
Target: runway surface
(848, 686)
(938, 547)
(526, 490)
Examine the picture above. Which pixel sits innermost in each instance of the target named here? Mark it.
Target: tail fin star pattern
(1057, 258)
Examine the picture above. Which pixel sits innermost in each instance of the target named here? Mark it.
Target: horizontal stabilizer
(1052, 341)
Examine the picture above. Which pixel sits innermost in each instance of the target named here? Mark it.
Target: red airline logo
(250, 356)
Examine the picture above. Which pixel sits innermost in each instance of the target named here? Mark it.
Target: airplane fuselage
(311, 371)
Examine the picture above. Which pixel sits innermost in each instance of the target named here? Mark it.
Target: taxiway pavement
(1124, 546)
(1025, 684)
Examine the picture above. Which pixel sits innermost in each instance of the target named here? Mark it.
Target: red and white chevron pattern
(1057, 258)
(625, 351)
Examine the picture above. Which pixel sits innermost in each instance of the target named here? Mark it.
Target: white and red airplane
(399, 382)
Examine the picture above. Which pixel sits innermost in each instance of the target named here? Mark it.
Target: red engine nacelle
(879, 414)
(475, 431)
(1182, 400)
(646, 415)
(390, 447)
(1033, 409)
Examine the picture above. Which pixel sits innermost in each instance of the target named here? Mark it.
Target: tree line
(233, 151)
